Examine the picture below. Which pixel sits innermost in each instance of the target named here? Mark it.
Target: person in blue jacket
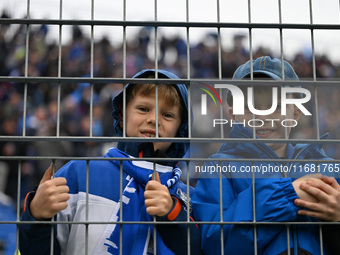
(7, 231)
(118, 187)
(285, 190)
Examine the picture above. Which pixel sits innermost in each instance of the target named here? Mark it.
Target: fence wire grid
(56, 96)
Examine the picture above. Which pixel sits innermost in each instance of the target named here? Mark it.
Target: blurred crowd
(42, 97)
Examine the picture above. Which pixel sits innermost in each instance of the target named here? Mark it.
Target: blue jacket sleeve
(35, 238)
(274, 202)
(176, 235)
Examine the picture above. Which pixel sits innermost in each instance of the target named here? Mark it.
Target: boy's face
(270, 129)
(141, 119)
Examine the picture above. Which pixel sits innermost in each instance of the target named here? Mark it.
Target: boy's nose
(151, 119)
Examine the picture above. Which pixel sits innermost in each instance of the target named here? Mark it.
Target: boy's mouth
(264, 133)
(148, 133)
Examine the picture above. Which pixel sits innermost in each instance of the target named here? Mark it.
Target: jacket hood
(176, 150)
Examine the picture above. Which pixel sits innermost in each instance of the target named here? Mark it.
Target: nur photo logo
(243, 99)
(239, 99)
(204, 98)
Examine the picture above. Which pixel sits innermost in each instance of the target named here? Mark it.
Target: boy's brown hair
(165, 91)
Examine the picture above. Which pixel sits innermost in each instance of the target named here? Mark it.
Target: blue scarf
(136, 236)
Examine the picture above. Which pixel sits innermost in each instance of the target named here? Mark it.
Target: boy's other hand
(304, 179)
(51, 196)
(158, 200)
(327, 192)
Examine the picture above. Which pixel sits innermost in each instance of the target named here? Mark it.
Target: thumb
(156, 177)
(47, 175)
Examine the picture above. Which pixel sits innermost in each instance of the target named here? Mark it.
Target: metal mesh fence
(56, 103)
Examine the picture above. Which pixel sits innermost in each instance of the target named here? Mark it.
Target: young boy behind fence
(278, 196)
(91, 191)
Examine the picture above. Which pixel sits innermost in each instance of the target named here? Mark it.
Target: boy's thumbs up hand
(158, 200)
(51, 196)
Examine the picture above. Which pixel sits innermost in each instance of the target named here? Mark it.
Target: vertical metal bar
(58, 109)
(188, 40)
(310, 12)
(250, 42)
(286, 129)
(281, 38)
(155, 10)
(312, 39)
(26, 70)
(314, 71)
(251, 56)
(288, 240)
(321, 240)
(124, 69)
(156, 41)
(91, 132)
(282, 57)
(124, 110)
(189, 111)
(316, 101)
(121, 207)
(87, 207)
(52, 238)
(156, 69)
(254, 210)
(253, 115)
(219, 61)
(285, 174)
(249, 11)
(221, 212)
(188, 70)
(91, 69)
(317, 112)
(254, 135)
(52, 220)
(156, 109)
(154, 218)
(18, 204)
(124, 40)
(188, 209)
(221, 112)
(219, 42)
(59, 68)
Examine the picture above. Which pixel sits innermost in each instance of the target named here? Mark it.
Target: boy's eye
(142, 109)
(168, 115)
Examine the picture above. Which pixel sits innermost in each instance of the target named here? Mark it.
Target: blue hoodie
(274, 198)
(107, 182)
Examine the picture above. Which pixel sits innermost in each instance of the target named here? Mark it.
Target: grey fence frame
(124, 80)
